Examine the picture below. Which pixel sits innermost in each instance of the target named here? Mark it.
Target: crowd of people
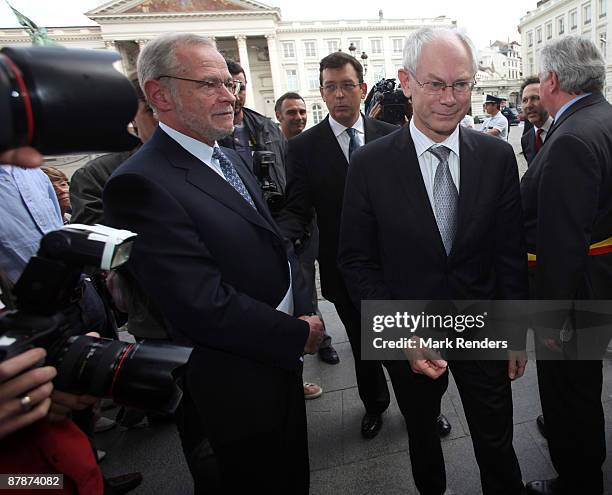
(431, 210)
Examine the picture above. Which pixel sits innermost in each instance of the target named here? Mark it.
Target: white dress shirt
(204, 153)
(429, 163)
(342, 136)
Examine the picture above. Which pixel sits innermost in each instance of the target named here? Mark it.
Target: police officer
(496, 124)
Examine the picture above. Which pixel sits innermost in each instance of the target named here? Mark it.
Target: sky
(479, 18)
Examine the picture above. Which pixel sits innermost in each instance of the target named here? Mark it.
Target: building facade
(277, 55)
(553, 19)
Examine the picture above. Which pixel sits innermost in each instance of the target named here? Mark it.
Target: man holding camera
(212, 258)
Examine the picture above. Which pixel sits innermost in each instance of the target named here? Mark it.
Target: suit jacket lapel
(372, 130)
(331, 148)
(204, 178)
(579, 105)
(409, 171)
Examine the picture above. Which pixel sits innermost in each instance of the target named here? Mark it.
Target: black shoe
(119, 485)
(329, 355)
(370, 425)
(444, 427)
(542, 487)
(541, 425)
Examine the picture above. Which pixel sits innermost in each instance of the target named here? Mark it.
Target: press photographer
(387, 102)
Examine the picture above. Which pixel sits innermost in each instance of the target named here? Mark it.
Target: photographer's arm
(24, 397)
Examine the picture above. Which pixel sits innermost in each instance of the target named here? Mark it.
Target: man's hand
(22, 157)
(315, 336)
(375, 111)
(425, 361)
(24, 395)
(517, 360)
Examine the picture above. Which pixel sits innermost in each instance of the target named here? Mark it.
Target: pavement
(342, 463)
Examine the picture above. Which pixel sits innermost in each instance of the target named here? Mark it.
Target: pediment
(118, 7)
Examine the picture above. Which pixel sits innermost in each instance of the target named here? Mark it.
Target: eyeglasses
(212, 86)
(344, 87)
(437, 87)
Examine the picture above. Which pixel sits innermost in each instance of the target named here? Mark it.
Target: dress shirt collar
(422, 143)
(545, 127)
(200, 150)
(338, 128)
(569, 104)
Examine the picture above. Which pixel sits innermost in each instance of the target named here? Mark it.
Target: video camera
(65, 100)
(141, 375)
(262, 161)
(392, 101)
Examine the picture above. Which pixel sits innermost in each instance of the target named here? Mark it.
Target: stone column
(275, 65)
(244, 61)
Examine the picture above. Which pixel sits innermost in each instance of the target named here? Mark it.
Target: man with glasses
(317, 162)
(212, 259)
(433, 212)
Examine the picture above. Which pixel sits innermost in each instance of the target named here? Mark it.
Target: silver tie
(446, 198)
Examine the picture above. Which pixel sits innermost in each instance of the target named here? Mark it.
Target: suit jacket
(390, 245)
(197, 239)
(316, 173)
(567, 200)
(528, 146)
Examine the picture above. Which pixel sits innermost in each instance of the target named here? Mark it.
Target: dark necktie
(232, 177)
(538, 140)
(354, 142)
(446, 198)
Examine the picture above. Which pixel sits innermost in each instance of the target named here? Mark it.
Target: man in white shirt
(496, 124)
(533, 139)
(211, 257)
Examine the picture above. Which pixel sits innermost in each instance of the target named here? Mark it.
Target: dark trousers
(371, 381)
(486, 395)
(570, 393)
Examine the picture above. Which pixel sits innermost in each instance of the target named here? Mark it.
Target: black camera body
(142, 375)
(392, 101)
(262, 161)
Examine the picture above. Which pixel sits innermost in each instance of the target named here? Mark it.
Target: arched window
(317, 113)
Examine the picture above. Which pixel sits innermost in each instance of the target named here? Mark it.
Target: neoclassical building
(553, 19)
(277, 55)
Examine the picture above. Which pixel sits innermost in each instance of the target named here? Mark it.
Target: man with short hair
(496, 124)
(317, 161)
(567, 203)
(537, 115)
(433, 212)
(290, 111)
(209, 254)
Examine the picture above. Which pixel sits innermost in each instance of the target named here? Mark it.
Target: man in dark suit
(433, 212)
(201, 221)
(567, 202)
(317, 161)
(536, 115)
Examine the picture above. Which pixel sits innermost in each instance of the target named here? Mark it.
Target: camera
(141, 375)
(392, 102)
(65, 100)
(262, 161)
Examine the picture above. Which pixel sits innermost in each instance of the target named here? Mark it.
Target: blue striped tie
(446, 198)
(229, 171)
(354, 142)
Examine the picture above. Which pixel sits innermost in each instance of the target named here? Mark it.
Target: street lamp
(364, 62)
(352, 48)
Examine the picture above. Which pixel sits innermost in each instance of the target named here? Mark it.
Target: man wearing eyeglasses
(212, 259)
(432, 212)
(317, 162)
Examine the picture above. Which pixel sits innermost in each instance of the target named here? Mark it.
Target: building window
(603, 44)
(530, 38)
(539, 35)
(379, 72)
(333, 46)
(573, 19)
(317, 113)
(310, 48)
(586, 13)
(288, 49)
(549, 30)
(603, 8)
(530, 65)
(313, 79)
(560, 25)
(357, 44)
(292, 80)
(376, 47)
(398, 46)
